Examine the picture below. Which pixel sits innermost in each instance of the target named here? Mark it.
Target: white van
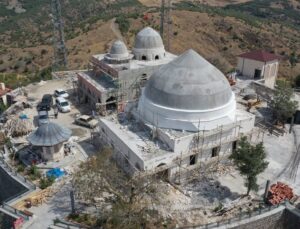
(62, 104)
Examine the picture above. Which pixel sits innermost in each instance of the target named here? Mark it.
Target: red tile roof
(3, 92)
(260, 55)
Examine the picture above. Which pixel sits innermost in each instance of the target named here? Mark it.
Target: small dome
(49, 134)
(148, 38)
(118, 50)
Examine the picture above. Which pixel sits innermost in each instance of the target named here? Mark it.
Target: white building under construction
(116, 77)
(186, 114)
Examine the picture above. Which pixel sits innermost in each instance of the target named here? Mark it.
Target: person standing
(55, 111)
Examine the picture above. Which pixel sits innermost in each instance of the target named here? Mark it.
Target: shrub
(46, 182)
(297, 81)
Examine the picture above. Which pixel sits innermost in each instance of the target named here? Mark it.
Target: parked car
(62, 104)
(87, 121)
(43, 117)
(61, 93)
(46, 103)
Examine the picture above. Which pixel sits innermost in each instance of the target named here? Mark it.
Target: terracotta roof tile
(260, 55)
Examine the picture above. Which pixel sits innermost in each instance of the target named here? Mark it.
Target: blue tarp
(56, 172)
(23, 116)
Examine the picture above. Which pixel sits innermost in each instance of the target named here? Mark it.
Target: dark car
(46, 103)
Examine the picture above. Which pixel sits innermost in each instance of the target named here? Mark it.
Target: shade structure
(189, 93)
(49, 134)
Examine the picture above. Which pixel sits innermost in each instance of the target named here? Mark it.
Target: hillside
(219, 32)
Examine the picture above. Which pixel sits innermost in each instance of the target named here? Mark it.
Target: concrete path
(281, 153)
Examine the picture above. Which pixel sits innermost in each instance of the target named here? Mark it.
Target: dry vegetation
(217, 37)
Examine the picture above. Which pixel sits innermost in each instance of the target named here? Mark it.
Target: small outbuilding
(50, 137)
(259, 65)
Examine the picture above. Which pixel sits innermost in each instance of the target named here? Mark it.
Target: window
(144, 58)
(234, 146)
(156, 57)
(192, 159)
(215, 151)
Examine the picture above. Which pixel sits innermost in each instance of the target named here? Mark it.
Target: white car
(43, 117)
(62, 105)
(61, 93)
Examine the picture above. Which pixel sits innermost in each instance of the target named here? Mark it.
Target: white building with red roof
(259, 65)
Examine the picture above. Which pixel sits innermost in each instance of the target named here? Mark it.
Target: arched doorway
(156, 57)
(144, 58)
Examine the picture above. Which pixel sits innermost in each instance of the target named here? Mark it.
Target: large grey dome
(118, 50)
(189, 82)
(49, 134)
(148, 38)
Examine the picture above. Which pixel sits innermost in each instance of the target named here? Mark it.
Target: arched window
(157, 57)
(144, 58)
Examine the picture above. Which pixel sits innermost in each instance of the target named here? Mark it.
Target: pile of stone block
(279, 192)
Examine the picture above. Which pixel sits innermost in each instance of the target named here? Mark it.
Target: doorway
(257, 74)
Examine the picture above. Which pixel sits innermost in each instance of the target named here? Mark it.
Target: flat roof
(101, 83)
(137, 139)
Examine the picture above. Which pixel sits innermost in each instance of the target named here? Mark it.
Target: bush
(123, 24)
(297, 81)
(20, 168)
(34, 173)
(46, 182)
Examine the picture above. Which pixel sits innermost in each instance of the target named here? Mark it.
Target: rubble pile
(279, 192)
(15, 126)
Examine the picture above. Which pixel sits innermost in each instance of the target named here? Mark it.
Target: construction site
(166, 127)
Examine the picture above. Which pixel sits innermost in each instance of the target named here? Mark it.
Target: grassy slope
(219, 34)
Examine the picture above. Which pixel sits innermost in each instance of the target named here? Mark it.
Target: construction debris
(17, 126)
(279, 192)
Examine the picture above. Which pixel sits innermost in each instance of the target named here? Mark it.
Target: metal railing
(15, 211)
(12, 172)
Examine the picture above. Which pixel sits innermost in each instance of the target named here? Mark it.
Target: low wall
(9, 187)
(284, 216)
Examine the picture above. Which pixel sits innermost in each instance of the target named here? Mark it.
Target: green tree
(293, 59)
(250, 161)
(282, 104)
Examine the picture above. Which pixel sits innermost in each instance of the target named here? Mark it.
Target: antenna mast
(166, 20)
(60, 52)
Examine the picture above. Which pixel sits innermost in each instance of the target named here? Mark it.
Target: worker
(55, 112)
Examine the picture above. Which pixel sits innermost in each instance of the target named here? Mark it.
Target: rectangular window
(192, 159)
(215, 151)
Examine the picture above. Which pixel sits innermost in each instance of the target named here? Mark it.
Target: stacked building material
(279, 192)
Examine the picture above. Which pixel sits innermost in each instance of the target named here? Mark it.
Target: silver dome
(49, 134)
(189, 82)
(118, 50)
(148, 38)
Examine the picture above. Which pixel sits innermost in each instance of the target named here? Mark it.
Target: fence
(240, 217)
(14, 174)
(15, 211)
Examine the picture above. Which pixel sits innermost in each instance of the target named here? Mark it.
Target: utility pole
(166, 21)
(169, 25)
(162, 18)
(60, 51)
